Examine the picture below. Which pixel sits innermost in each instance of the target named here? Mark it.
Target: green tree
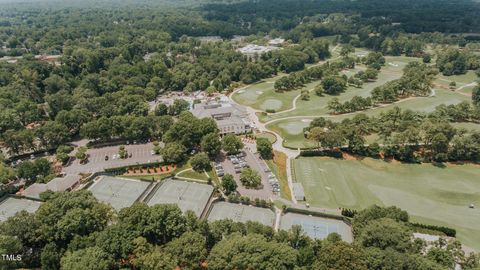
(52, 134)
(251, 252)
(189, 250)
(232, 144)
(250, 178)
(34, 170)
(364, 217)
(228, 184)
(476, 95)
(334, 85)
(149, 257)
(62, 153)
(7, 173)
(81, 154)
(211, 145)
(122, 153)
(385, 233)
(264, 147)
(178, 106)
(339, 256)
(90, 258)
(50, 257)
(200, 162)
(174, 152)
(161, 109)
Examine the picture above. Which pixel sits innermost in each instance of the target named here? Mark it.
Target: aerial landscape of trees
(75, 231)
(99, 72)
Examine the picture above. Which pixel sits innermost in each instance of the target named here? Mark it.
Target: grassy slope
(279, 167)
(430, 194)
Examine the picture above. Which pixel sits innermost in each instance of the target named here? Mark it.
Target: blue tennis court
(317, 227)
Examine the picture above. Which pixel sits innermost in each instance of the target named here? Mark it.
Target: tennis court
(10, 206)
(241, 213)
(317, 227)
(187, 195)
(118, 192)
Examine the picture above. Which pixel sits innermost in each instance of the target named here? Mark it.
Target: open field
(241, 213)
(118, 192)
(10, 206)
(317, 227)
(187, 195)
(430, 194)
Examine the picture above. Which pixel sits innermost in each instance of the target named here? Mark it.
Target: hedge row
(321, 153)
(349, 212)
(124, 169)
(317, 214)
(446, 230)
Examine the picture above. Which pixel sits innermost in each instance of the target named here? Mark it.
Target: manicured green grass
(318, 105)
(291, 131)
(430, 194)
(193, 175)
(462, 79)
(468, 126)
(262, 96)
(269, 136)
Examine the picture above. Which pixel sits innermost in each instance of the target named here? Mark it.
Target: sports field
(241, 213)
(10, 206)
(118, 192)
(430, 194)
(317, 227)
(187, 195)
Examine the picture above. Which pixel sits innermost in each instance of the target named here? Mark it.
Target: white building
(252, 49)
(277, 42)
(231, 119)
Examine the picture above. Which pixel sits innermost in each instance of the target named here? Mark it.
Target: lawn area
(193, 175)
(291, 129)
(269, 136)
(279, 167)
(467, 126)
(318, 105)
(430, 194)
(262, 96)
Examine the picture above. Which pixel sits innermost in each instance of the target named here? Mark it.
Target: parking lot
(235, 164)
(138, 154)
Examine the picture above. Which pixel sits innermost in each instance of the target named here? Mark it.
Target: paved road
(141, 153)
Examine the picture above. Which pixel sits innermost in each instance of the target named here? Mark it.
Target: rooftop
(56, 184)
(256, 49)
